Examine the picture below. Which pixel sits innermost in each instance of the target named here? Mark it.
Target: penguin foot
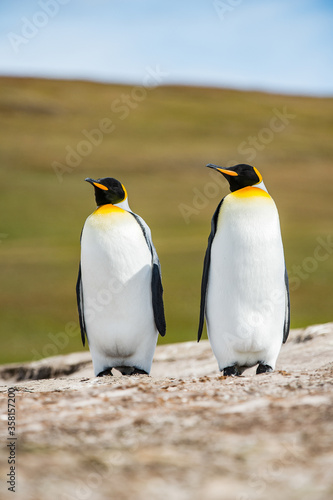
(130, 370)
(138, 371)
(105, 372)
(263, 369)
(231, 371)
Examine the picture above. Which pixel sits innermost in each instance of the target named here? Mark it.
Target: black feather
(157, 294)
(156, 281)
(206, 266)
(79, 298)
(286, 327)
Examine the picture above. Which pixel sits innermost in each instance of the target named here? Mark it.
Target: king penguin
(119, 287)
(244, 289)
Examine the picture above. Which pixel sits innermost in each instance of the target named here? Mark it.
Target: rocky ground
(185, 432)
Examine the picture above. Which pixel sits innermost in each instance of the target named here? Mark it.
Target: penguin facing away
(119, 288)
(244, 289)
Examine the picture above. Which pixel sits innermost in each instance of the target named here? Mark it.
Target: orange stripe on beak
(228, 172)
(100, 186)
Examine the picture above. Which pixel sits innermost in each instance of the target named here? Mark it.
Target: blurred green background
(160, 141)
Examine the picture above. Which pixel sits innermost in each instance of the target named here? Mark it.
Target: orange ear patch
(258, 174)
(124, 191)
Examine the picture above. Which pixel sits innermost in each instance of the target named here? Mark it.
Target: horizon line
(174, 83)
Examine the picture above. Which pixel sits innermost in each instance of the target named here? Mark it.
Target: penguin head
(108, 190)
(239, 176)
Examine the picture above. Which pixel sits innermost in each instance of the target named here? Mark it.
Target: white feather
(246, 292)
(116, 278)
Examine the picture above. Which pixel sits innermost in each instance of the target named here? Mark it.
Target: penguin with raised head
(244, 289)
(119, 288)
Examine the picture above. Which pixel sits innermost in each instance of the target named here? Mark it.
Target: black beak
(224, 171)
(88, 179)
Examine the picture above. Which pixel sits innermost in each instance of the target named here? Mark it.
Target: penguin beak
(223, 170)
(96, 184)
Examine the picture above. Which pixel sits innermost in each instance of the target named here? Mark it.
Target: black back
(206, 267)
(79, 298)
(286, 327)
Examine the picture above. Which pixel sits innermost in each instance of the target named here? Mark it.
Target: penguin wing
(79, 298)
(286, 327)
(156, 279)
(206, 267)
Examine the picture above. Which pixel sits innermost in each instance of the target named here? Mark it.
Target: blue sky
(279, 46)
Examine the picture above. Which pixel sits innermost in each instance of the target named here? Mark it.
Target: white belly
(246, 291)
(116, 279)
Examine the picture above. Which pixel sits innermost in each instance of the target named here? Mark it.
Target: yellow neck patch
(249, 192)
(108, 209)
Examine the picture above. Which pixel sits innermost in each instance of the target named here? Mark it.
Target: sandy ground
(185, 432)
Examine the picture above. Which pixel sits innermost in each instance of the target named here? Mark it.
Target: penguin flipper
(286, 327)
(158, 306)
(156, 279)
(206, 266)
(79, 298)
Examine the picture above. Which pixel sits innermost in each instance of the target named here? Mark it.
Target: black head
(239, 176)
(108, 190)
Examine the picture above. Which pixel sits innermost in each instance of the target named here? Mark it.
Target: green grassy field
(157, 142)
